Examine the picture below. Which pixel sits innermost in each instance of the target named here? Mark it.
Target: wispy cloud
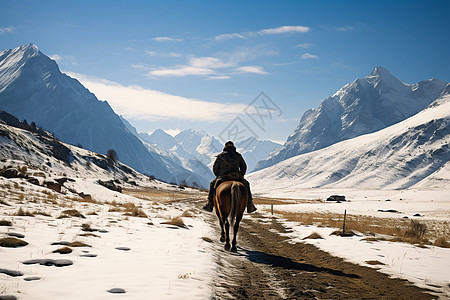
(7, 29)
(163, 54)
(197, 66)
(64, 60)
(228, 36)
(141, 103)
(308, 56)
(344, 28)
(181, 71)
(284, 29)
(304, 45)
(251, 69)
(268, 31)
(162, 39)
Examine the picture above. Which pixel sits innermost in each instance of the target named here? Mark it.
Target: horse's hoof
(227, 247)
(234, 249)
(222, 239)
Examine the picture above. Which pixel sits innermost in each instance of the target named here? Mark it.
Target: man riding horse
(229, 165)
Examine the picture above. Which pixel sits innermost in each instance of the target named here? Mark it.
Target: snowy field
(427, 267)
(141, 255)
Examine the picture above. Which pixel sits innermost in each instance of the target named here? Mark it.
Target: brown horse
(230, 202)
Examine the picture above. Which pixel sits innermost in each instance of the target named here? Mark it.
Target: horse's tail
(235, 202)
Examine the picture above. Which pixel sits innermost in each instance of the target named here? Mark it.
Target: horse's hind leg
(235, 231)
(222, 231)
(227, 233)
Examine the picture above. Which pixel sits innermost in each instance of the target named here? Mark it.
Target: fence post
(271, 209)
(343, 226)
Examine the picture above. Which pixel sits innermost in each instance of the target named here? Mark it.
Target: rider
(229, 165)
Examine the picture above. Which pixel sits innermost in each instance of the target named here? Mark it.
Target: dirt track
(268, 267)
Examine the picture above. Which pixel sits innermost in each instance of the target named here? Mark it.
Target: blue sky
(198, 64)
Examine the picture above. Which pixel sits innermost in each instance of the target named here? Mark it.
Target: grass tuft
(441, 242)
(64, 250)
(416, 230)
(4, 202)
(78, 244)
(207, 239)
(71, 213)
(5, 223)
(23, 213)
(177, 221)
(374, 262)
(12, 242)
(314, 235)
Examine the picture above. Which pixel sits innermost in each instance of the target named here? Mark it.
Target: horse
(230, 202)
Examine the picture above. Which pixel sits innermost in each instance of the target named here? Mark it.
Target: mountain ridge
(366, 105)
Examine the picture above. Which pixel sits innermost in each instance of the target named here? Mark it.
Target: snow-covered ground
(143, 256)
(427, 267)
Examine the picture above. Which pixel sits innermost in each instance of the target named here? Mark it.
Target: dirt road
(269, 267)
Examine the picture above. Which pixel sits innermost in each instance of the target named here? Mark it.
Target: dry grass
(89, 234)
(130, 210)
(401, 230)
(374, 262)
(4, 202)
(115, 209)
(78, 244)
(5, 223)
(207, 239)
(441, 242)
(39, 212)
(63, 250)
(23, 213)
(71, 213)
(176, 221)
(188, 213)
(12, 242)
(313, 235)
(136, 212)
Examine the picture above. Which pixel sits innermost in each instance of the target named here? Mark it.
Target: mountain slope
(412, 152)
(366, 105)
(32, 87)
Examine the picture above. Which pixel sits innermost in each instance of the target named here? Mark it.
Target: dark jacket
(229, 161)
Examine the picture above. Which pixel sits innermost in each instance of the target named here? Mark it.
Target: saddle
(233, 176)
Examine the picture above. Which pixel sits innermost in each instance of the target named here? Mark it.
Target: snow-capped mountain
(254, 150)
(201, 145)
(22, 144)
(33, 88)
(366, 105)
(411, 153)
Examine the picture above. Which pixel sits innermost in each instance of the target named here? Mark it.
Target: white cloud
(284, 29)
(229, 36)
(251, 69)
(162, 39)
(304, 45)
(181, 71)
(308, 56)
(141, 103)
(56, 57)
(344, 28)
(7, 29)
(276, 30)
(163, 54)
(64, 60)
(219, 77)
(199, 66)
(208, 62)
